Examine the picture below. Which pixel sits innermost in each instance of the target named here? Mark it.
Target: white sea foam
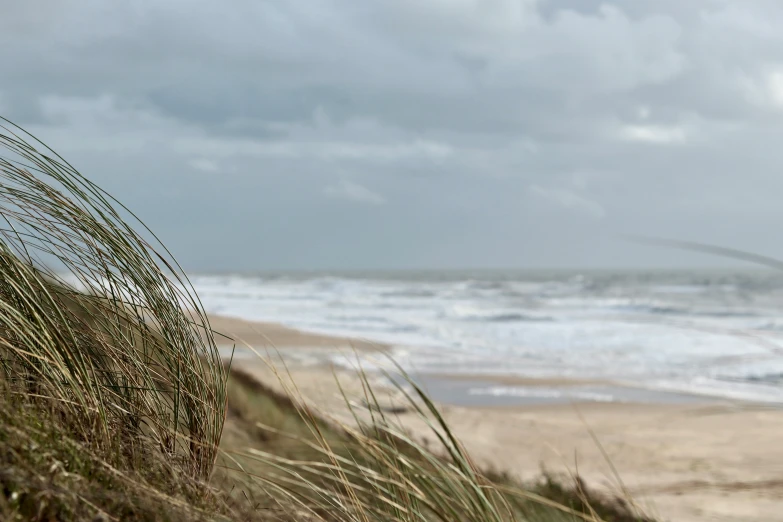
(544, 393)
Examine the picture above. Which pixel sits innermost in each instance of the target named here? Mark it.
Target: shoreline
(264, 335)
(454, 389)
(489, 392)
(518, 380)
(276, 340)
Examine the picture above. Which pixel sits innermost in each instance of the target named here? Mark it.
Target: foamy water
(712, 333)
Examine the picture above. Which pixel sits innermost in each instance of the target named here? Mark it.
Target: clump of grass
(121, 358)
(47, 472)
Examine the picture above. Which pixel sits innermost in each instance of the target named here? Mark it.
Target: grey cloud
(351, 191)
(340, 57)
(513, 133)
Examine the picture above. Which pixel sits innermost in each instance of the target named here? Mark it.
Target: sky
(384, 134)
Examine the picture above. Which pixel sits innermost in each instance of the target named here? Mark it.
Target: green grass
(116, 405)
(49, 471)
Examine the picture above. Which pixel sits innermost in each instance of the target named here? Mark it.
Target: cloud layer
(454, 133)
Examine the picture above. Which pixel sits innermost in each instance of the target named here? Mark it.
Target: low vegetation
(115, 404)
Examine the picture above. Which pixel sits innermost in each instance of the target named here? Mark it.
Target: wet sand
(507, 391)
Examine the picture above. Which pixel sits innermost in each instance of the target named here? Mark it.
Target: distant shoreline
(266, 335)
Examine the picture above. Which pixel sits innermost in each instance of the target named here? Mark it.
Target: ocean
(703, 332)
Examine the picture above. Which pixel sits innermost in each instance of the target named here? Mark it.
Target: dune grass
(116, 405)
(373, 469)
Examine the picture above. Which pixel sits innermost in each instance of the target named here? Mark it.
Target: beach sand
(702, 460)
(268, 336)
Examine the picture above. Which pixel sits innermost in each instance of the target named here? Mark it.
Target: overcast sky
(258, 134)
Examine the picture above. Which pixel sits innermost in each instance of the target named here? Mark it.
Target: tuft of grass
(48, 472)
(123, 355)
(101, 349)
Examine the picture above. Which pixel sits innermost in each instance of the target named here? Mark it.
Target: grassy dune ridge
(116, 404)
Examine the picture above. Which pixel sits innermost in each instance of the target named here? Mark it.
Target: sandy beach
(270, 335)
(702, 460)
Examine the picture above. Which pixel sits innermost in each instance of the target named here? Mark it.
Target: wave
(408, 293)
(683, 311)
(651, 309)
(471, 314)
(770, 326)
(774, 378)
(515, 317)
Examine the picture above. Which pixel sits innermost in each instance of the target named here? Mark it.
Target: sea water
(711, 333)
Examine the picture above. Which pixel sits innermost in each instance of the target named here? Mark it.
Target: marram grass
(123, 349)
